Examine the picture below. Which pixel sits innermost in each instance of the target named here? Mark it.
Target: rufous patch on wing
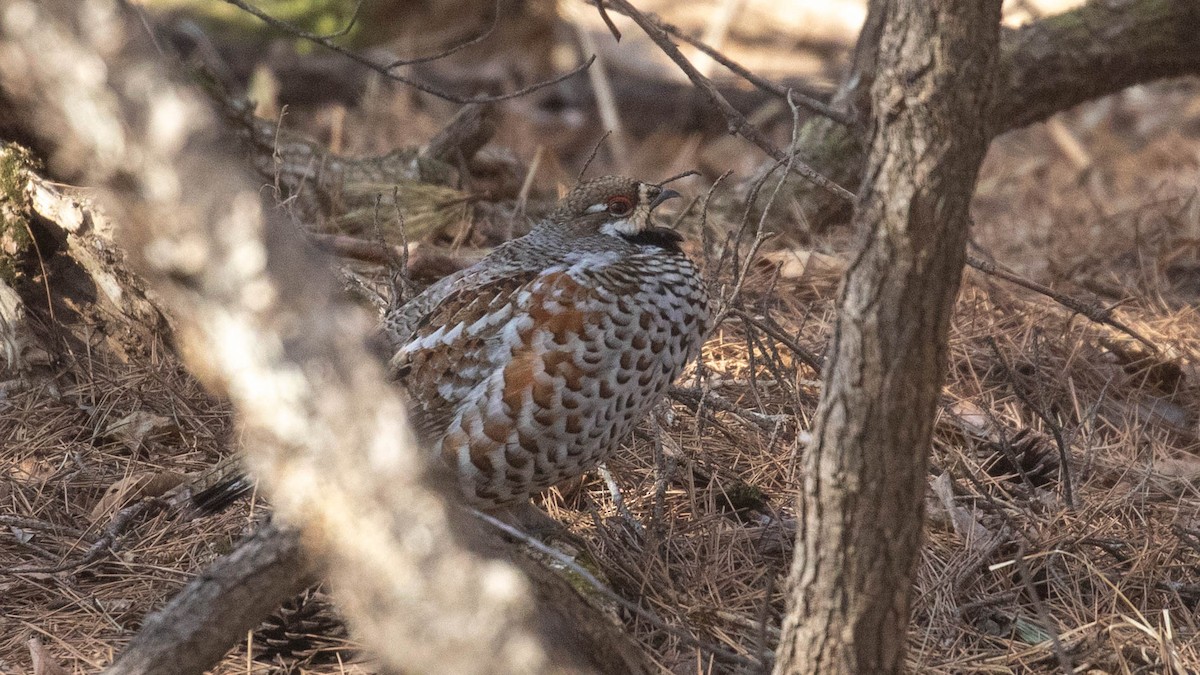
(481, 451)
(497, 429)
(543, 394)
(518, 379)
(567, 319)
(451, 444)
(562, 364)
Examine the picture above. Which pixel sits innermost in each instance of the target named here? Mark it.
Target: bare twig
(116, 527)
(592, 157)
(692, 398)
(602, 90)
(1056, 646)
(680, 176)
(741, 71)
(386, 69)
(35, 524)
(619, 499)
(737, 122)
(1091, 310)
(366, 250)
(1051, 423)
(324, 430)
(612, 27)
(601, 588)
(527, 185)
(658, 32)
(772, 328)
(742, 270)
(218, 607)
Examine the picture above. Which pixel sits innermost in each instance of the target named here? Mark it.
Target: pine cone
(306, 630)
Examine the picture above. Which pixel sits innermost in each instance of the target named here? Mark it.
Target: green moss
(15, 210)
(322, 17)
(743, 496)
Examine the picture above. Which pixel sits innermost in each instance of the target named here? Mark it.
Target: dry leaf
(43, 663)
(972, 419)
(31, 470)
(1185, 469)
(805, 264)
(130, 488)
(964, 523)
(21, 535)
(137, 427)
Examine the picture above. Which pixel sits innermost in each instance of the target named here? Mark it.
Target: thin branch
(612, 27)
(583, 573)
(658, 31)
(116, 527)
(35, 524)
(386, 70)
(745, 73)
(694, 397)
(592, 157)
(365, 250)
(1056, 646)
(773, 330)
(1091, 310)
(1064, 468)
(606, 103)
(680, 176)
(736, 121)
(345, 30)
(218, 607)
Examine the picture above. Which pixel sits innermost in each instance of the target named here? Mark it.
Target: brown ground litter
(1064, 507)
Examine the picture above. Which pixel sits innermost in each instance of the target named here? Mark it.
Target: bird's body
(531, 366)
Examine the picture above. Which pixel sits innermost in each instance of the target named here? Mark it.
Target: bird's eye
(620, 205)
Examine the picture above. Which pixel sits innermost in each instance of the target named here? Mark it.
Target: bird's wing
(449, 350)
(400, 324)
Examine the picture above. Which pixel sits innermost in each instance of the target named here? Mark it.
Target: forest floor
(1063, 515)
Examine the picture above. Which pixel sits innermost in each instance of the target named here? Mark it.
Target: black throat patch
(661, 237)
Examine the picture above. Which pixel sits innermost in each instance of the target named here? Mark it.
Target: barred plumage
(530, 366)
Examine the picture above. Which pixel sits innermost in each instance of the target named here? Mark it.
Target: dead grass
(1014, 577)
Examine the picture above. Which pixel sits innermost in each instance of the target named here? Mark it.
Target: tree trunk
(833, 148)
(860, 510)
(1099, 49)
(1045, 67)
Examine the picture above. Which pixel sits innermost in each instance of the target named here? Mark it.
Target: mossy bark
(865, 474)
(1045, 67)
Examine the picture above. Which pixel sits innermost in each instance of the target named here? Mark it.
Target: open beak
(662, 197)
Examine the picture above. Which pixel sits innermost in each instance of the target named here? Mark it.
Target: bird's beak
(662, 197)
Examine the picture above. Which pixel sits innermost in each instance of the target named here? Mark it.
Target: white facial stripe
(644, 193)
(618, 227)
(597, 208)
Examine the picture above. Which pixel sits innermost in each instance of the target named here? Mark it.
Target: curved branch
(1045, 67)
(1098, 49)
(737, 122)
(232, 596)
(259, 320)
(386, 69)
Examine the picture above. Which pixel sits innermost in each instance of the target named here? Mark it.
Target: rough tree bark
(834, 147)
(257, 318)
(243, 586)
(860, 510)
(1044, 68)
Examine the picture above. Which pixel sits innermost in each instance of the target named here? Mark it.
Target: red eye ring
(620, 205)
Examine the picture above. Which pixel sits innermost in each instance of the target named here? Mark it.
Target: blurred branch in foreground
(258, 320)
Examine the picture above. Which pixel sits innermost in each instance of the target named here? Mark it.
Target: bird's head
(615, 206)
